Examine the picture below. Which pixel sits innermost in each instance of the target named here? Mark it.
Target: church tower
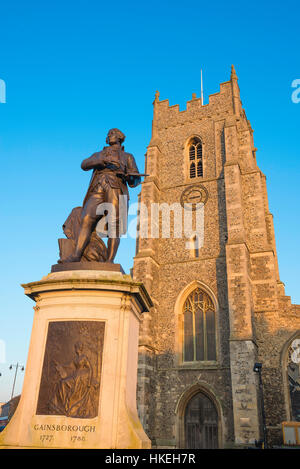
(219, 304)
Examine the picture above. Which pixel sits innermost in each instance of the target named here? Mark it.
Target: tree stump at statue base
(80, 382)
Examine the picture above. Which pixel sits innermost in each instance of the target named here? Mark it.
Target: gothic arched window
(199, 338)
(195, 158)
(293, 374)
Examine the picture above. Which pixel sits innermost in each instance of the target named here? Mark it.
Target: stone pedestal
(80, 382)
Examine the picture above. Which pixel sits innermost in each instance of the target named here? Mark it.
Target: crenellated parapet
(220, 104)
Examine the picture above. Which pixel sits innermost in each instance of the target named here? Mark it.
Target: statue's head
(115, 136)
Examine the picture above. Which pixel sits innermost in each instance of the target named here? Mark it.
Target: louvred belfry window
(195, 158)
(199, 327)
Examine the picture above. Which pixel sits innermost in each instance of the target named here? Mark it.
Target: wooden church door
(201, 423)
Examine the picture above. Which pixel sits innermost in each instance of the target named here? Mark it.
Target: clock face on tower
(194, 195)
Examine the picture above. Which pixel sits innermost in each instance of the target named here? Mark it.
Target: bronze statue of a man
(113, 169)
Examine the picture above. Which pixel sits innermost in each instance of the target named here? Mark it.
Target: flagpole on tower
(201, 89)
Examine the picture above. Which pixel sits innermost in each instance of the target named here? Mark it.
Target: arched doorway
(201, 423)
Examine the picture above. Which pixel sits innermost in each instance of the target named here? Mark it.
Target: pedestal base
(80, 382)
(82, 265)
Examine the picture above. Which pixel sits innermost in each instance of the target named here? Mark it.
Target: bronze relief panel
(71, 374)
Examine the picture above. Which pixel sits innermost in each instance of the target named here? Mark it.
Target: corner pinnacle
(156, 99)
(233, 73)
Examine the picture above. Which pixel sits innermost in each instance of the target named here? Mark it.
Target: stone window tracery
(195, 158)
(199, 327)
(293, 373)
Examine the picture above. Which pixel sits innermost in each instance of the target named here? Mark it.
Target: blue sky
(75, 69)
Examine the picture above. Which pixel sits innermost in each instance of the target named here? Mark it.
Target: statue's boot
(112, 247)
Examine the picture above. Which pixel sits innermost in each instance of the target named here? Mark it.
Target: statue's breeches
(107, 195)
